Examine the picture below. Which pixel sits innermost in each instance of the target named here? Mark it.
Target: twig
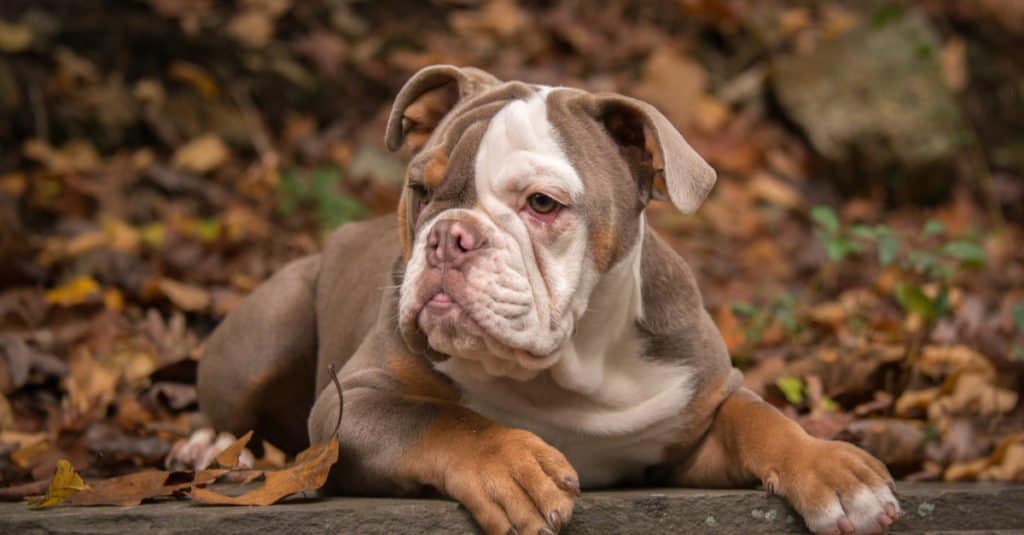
(341, 404)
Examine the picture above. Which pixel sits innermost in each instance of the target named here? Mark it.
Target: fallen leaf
(14, 37)
(126, 490)
(252, 28)
(202, 155)
(75, 292)
(186, 296)
(309, 473)
(229, 457)
(65, 483)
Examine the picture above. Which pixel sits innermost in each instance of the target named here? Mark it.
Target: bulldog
(519, 332)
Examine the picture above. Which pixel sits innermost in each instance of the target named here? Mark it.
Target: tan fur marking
(750, 441)
(419, 380)
(426, 112)
(436, 169)
(498, 473)
(404, 239)
(603, 243)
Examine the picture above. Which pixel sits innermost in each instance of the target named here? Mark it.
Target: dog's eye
(542, 204)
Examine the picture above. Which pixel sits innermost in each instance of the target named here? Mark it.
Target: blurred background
(861, 252)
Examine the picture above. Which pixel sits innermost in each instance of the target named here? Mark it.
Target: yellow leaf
(64, 484)
(76, 292)
(14, 37)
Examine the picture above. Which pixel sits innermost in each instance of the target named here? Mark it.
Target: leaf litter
(142, 201)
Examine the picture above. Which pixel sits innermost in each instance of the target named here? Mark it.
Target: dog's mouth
(447, 325)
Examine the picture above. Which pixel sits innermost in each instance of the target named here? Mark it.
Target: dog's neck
(606, 330)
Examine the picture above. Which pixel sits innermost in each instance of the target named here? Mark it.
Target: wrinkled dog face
(518, 198)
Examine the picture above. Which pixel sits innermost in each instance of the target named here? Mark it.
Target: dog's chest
(610, 433)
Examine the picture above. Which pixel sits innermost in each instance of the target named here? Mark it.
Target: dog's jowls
(520, 333)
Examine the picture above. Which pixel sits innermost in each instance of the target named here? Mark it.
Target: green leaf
(1017, 353)
(933, 227)
(792, 388)
(840, 248)
(968, 252)
(1018, 316)
(888, 249)
(825, 218)
(864, 232)
(743, 309)
(913, 300)
(829, 404)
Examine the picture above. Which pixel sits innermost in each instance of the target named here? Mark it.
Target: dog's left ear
(427, 98)
(647, 138)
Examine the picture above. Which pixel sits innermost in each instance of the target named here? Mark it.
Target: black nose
(451, 241)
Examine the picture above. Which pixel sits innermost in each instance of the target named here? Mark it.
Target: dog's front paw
(514, 483)
(837, 488)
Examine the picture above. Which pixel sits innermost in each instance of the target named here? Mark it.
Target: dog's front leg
(835, 486)
(403, 428)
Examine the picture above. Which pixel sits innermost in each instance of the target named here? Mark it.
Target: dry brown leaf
(229, 457)
(202, 155)
(128, 490)
(6, 414)
(186, 296)
(1006, 463)
(65, 483)
(673, 83)
(253, 28)
(309, 472)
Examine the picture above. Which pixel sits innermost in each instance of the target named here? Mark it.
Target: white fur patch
(862, 508)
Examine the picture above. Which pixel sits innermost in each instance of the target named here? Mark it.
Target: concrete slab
(930, 508)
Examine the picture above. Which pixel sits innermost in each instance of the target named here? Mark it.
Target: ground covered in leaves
(860, 252)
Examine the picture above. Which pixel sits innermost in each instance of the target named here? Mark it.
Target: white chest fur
(607, 408)
(610, 434)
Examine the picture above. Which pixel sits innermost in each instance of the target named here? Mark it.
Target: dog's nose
(451, 241)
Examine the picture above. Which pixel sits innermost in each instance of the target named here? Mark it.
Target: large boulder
(873, 102)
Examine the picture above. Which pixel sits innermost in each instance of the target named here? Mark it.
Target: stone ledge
(930, 508)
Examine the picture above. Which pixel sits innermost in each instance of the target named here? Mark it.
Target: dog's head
(518, 198)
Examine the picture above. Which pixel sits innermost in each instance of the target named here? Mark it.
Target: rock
(946, 508)
(874, 100)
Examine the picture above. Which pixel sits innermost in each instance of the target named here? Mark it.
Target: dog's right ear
(427, 98)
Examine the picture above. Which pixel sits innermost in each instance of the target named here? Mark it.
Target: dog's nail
(844, 525)
(545, 531)
(890, 509)
(555, 519)
(512, 531)
(571, 484)
(885, 519)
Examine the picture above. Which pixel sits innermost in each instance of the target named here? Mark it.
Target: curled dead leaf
(309, 473)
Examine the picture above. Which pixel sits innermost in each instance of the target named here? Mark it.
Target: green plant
(1018, 321)
(780, 312)
(927, 264)
(319, 188)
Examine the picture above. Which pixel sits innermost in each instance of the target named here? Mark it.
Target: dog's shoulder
(675, 325)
